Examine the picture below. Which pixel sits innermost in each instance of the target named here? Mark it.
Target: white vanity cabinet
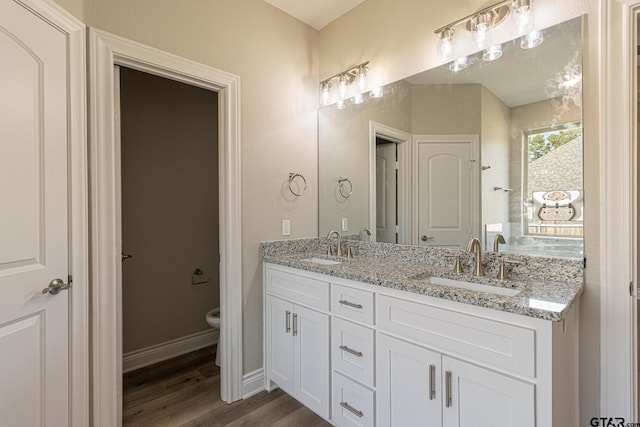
(297, 338)
(402, 359)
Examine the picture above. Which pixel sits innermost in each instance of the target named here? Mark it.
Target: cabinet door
(409, 384)
(480, 397)
(311, 359)
(279, 342)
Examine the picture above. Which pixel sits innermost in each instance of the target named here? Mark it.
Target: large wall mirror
(446, 155)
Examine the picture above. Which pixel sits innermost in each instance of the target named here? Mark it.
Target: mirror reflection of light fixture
(341, 105)
(358, 98)
(523, 16)
(459, 64)
(531, 40)
(492, 53)
(376, 92)
(354, 75)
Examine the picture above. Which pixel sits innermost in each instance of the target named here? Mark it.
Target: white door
(444, 188)
(279, 342)
(386, 193)
(409, 384)
(480, 397)
(34, 339)
(311, 359)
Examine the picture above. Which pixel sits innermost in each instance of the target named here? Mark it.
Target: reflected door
(444, 193)
(34, 367)
(386, 193)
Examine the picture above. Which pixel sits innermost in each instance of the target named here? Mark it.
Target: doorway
(386, 190)
(170, 236)
(107, 51)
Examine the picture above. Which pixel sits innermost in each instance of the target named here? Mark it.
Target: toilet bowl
(213, 319)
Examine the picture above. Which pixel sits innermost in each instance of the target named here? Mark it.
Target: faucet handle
(329, 249)
(458, 266)
(502, 272)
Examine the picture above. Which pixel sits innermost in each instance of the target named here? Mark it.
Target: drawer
(351, 403)
(352, 350)
(298, 288)
(352, 303)
(483, 340)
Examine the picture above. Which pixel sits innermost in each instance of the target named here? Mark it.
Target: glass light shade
(376, 92)
(445, 46)
(362, 78)
(358, 98)
(531, 40)
(480, 27)
(343, 83)
(492, 53)
(341, 105)
(459, 64)
(325, 92)
(523, 22)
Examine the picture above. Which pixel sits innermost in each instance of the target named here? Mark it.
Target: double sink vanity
(395, 336)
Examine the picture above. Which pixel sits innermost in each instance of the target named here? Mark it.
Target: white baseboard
(252, 383)
(167, 350)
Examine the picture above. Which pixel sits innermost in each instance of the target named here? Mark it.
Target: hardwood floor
(185, 391)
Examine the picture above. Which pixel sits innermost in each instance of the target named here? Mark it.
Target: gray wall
(169, 208)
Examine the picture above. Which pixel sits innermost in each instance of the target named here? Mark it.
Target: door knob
(56, 286)
(424, 237)
(126, 256)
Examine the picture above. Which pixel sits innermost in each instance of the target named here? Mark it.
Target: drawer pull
(349, 350)
(432, 382)
(350, 304)
(448, 402)
(295, 324)
(351, 409)
(287, 326)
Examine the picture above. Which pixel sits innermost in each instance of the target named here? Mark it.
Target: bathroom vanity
(374, 340)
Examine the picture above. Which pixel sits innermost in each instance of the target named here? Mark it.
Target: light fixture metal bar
(470, 16)
(350, 72)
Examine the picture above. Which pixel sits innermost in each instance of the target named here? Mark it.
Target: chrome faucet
(339, 248)
(497, 240)
(474, 246)
(364, 230)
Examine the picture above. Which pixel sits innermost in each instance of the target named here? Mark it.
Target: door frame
(106, 51)
(618, 210)
(403, 140)
(79, 354)
(476, 187)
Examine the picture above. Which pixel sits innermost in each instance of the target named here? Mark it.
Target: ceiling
(316, 13)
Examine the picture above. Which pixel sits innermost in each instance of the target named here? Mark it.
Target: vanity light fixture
(341, 104)
(376, 92)
(346, 79)
(459, 64)
(480, 23)
(358, 98)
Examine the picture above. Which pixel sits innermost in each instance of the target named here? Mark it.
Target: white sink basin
(322, 261)
(498, 290)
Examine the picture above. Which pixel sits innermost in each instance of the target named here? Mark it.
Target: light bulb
(358, 99)
(362, 77)
(531, 40)
(325, 87)
(523, 16)
(480, 27)
(342, 85)
(376, 92)
(445, 47)
(492, 53)
(459, 64)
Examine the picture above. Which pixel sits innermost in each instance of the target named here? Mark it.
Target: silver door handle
(126, 256)
(287, 323)
(350, 304)
(448, 400)
(432, 382)
(424, 237)
(56, 286)
(295, 324)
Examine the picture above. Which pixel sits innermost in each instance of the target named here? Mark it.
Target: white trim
(617, 397)
(476, 188)
(168, 350)
(253, 383)
(403, 139)
(79, 355)
(106, 51)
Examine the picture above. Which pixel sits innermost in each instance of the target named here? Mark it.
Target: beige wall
(169, 208)
(276, 58)
(495, 153)
(407, 46)
(446, 109)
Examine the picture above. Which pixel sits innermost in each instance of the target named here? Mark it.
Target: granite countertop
(549, 299)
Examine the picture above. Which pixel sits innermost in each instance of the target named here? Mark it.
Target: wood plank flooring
(185, 391)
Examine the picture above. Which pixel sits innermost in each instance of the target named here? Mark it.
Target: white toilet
(213, 319)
